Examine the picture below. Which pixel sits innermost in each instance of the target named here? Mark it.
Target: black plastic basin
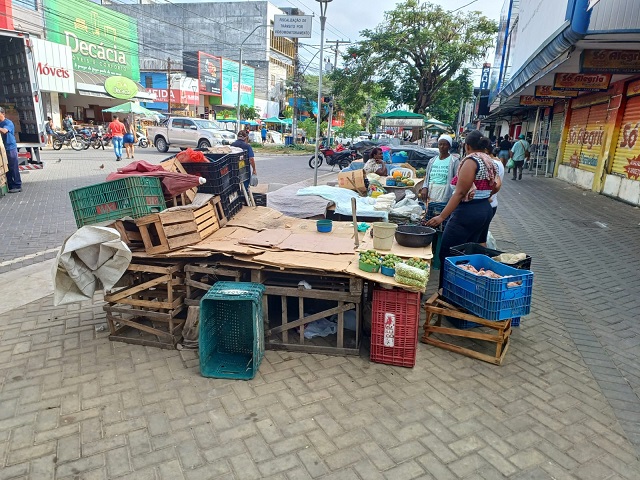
(414, 236)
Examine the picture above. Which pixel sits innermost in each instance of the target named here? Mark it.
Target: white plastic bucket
(383, 234)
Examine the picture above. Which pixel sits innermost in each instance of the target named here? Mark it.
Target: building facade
(567, 75)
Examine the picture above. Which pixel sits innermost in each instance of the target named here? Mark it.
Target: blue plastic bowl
(324, 226)
(391, 182)
(389, 272)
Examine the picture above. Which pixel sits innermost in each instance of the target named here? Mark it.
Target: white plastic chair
(406, 172)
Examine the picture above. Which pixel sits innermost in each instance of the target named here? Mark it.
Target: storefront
(183, 97)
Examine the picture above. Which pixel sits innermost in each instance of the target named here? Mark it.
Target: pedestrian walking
(116, 127)
(505, 147)
(493, 200)
(263, 134)
(243, 143)
(129, 138)
(48, 128)
(519, 153)
(8, 131)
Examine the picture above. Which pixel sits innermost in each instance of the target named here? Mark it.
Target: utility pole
(169, 85)
(296, 86)
(332, 102)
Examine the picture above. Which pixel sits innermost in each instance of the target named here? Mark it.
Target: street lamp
(240, 76)
(323, 19)
(194, 87)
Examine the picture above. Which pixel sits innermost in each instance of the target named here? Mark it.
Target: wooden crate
(187, 197)
(129, 233)
(199, 278)
(148, 301)
(343, 291)
(499, 332)
(173, 229)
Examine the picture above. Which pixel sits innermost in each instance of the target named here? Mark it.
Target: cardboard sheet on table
(379, 278)
(305, 260)
(226, 240)
(425, 253)
(318, 243)
(258, 218)
(266, 238)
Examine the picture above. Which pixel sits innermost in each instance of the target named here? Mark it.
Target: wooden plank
(141, 267)
(159, 316)
(113, 298)
(217, 205)
(317, 294)
(152, 304)
(197, 284)
(147, 219)
(465, 351)
(316, 349)
(464, 333)
(144, 328)
(311, 318)
(176, 216)
(212, 270)
(285, 318)
(176, 229)
(183, 240)
(495, 325)
(301, 315)
(340, 339)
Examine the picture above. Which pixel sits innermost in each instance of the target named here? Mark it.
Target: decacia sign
(102, 41)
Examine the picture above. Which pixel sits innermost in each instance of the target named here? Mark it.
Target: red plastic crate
(394, 327)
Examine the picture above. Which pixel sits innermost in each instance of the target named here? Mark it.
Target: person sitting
(376, 164)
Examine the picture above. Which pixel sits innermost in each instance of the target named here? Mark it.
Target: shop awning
(92, 84)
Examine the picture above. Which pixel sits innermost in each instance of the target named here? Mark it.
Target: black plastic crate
(216, 171)
(260, 199)
(240, 168)
(232, 201)
(477, 249)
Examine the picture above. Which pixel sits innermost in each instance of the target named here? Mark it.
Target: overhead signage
(610, 61)
(210, 74)
(54, 66)
(121, 87)
(633, 88)
(484, 78)
(547, 91)
(102, 41)
(581, 81)
(230, 84)
(292, 26)
(177, 96)
(531, 101)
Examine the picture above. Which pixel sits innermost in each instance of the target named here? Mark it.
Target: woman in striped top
(469, 206)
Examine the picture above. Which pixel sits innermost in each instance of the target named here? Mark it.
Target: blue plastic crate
(488, 298)
(231, 330)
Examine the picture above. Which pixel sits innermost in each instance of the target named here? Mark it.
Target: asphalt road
(40, 217)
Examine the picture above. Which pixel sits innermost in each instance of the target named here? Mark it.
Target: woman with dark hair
(376, 164)
(475, 182)
(129, 138)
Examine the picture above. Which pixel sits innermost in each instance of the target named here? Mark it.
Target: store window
(148, 81)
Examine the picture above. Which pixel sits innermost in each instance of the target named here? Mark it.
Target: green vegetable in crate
(412, 282)
(404, 270)
(421, 172)
(418, 263)
(390, 260)
(370, 257)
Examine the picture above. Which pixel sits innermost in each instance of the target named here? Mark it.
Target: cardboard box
(353, 180)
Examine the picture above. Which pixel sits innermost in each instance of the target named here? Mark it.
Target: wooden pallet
(144, 331)
(199, 278)
(173, 229)
(500, 331)
(343, 291)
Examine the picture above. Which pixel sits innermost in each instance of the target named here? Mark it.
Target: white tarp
(91, 259)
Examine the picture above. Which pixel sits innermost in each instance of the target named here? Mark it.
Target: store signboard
(547, 91)
(121, 87)
(230, 84)
(54, 66)
(209, 74)
(633, 88)
(102, 41)
(484, 78)
(610, 61)
(531, 101)
(581, 81)
(292, 26)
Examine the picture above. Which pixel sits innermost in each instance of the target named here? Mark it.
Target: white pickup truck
(185, 132)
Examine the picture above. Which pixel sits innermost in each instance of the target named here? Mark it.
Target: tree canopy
(412, 55)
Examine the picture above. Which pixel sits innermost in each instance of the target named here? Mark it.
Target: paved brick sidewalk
(564, 404)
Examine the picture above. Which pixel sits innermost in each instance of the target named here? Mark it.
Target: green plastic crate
(231, 341)
(133, 197)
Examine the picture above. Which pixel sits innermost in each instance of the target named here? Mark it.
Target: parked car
(184, 132)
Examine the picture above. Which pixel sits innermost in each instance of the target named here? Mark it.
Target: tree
(249, 113)
(446, 101)
(350, 130)
(226, 114)
(309, 127)
(416, 50)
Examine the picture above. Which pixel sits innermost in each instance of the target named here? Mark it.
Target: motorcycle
(85, 135)
(142, 141)
(70, 139)
(333, 157)
(97, 140)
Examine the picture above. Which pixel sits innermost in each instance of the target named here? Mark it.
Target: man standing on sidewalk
(117, 129)
(7, 130)
(519, 153)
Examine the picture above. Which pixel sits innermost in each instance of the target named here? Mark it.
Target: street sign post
(292, 26)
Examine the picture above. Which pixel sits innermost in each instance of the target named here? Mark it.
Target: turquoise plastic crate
(488, 298)
(133, 197)
(231, 330)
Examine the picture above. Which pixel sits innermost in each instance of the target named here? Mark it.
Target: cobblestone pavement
(564, 405)
(40, 218)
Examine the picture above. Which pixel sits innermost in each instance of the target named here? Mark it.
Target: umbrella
(131, 107)
(436, 123)
(400, 114)
(272, 120)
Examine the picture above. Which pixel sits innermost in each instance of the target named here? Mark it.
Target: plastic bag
(511, 163)
(404, 270)
(254, 181)
(191, 156)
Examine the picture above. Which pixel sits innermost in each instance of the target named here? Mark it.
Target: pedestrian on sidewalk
(505, 147)
(476, 180)
(493, 200)
(8, 130)
(263, 134)
(519, 153)
(129, 138)
(117, 129)
(48, 128)
(243, 143)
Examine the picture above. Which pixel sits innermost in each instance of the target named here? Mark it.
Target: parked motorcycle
(97, 140)
(142, 141)
(332, 158)
(71, 139)
(85, 135)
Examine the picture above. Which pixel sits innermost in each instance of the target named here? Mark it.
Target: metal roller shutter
(591, 153)
(578, 122)
(555, 132)
(626, 160)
